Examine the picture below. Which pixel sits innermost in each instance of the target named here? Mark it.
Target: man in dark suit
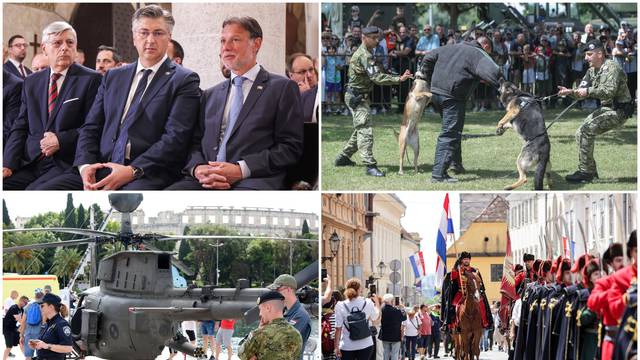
(17, 53)
(11, 90)
(55, 102)
(137, 133)
(251, 127)
(300, 68)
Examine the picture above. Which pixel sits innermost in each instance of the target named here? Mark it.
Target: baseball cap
(594, 45)
(284, 280)
(271, 295)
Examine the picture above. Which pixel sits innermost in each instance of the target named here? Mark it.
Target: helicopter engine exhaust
(181, 344)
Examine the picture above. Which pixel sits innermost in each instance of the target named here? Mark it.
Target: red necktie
(22, 71)
(53, 91)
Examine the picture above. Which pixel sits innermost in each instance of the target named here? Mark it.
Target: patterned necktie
(22, 72)
(234, 111)
(53, 91)
(119, 149)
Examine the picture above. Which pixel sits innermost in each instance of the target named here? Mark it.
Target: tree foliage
(65, 262)
(6, 219)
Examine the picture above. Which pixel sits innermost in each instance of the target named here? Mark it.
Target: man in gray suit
(251, 126)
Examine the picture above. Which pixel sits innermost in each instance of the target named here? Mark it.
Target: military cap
(464, 255)
(51, 299)
(271, 295)
(371, 30)
(528, 257)
(284, 280)
(595, 44)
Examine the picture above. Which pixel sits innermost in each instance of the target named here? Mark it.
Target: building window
(251, 220)
(263, 220)
(212, 219)
(297, 222)
(496, 272)
(185, 219)
(274, 221)
(286, 221)
(198, 219)
(134, 221)
(225, 219)
(238, 219)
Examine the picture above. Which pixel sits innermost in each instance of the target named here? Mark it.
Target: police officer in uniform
(55, 340)
(605, 80)
(363, 73)
(452, 73)
(275, 338)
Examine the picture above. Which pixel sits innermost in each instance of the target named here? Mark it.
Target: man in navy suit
(138, 132)
(251, 126)
(17, 53)
(11, 90)
(55, 102)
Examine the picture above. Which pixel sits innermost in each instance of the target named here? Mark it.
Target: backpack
(34, 317)
(358, 325)
(328, 343)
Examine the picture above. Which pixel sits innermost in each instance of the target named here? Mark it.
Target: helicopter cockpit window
(164, 261)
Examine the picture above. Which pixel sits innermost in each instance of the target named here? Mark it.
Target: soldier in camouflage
(275, 338)
(605, 80)
(363, 73)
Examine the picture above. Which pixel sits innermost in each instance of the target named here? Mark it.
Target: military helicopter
(135, 311)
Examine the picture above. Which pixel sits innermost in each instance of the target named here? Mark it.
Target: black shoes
(342, 160)
(457, 169)
(581, 177)
(374, 171)
(443, 179)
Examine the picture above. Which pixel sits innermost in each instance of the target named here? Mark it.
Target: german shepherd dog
(524, 115)
(417, 100)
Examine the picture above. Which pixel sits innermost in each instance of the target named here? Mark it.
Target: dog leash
(562, 113)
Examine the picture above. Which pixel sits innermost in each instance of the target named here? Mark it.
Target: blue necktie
(236, 106)
(120, 147)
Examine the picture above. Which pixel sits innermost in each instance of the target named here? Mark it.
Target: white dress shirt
(58, 82)
(17, 65)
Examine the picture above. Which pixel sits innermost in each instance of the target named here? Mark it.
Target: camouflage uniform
(609, 84)
(277, 340)
(363, 73)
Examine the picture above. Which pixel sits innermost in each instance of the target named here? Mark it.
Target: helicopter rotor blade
(226, 237)
(303, 277)
(76, 242)
(85, 232)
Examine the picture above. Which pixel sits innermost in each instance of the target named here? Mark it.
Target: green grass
(488, 159)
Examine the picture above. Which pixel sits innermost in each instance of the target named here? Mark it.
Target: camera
(372, 290)
(307, 295)
(323, 274)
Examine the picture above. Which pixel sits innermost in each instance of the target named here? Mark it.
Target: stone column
(198, 28)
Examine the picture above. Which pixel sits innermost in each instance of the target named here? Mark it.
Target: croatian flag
(445, 230)
(416, 266)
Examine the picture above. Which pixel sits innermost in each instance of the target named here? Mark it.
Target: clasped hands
(120, 175)
(217, 175)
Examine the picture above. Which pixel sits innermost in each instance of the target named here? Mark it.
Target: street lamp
(334, 246)
(381, 270)
(217, 246)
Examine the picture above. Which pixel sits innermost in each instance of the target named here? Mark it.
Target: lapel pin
(259, 87)
(167, 73)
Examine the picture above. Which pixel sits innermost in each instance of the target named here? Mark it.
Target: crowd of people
(538, 61)
(122, 127)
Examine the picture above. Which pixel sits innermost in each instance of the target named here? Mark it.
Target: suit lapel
(67, 84)
(219, 97)
(259, 86)
(42, 84)
(122, 83)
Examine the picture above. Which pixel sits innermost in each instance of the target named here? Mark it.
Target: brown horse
(469, 320)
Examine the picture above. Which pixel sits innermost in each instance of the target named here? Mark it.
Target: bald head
(485, 43)
(270, 310)
(39, 62)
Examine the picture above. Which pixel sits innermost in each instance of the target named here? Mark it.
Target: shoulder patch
(67, 331)
(293, 322)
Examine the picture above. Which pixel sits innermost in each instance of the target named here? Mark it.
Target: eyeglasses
(143, 34)
(24, 45)
(427, 29)
(305, 71)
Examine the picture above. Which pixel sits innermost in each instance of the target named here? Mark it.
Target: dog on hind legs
(524, 115)
(418, 98)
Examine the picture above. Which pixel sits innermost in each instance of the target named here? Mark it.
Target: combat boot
(373, 170)
(342, 160)
(581, 177)
(457, 169)
(443, 179)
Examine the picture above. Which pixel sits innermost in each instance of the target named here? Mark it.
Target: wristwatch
(137, 172)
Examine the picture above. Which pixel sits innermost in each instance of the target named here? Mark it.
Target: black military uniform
(452, 72)
(56, 332)
(626, 345)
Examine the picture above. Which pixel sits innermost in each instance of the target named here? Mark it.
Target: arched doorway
(104, 24)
